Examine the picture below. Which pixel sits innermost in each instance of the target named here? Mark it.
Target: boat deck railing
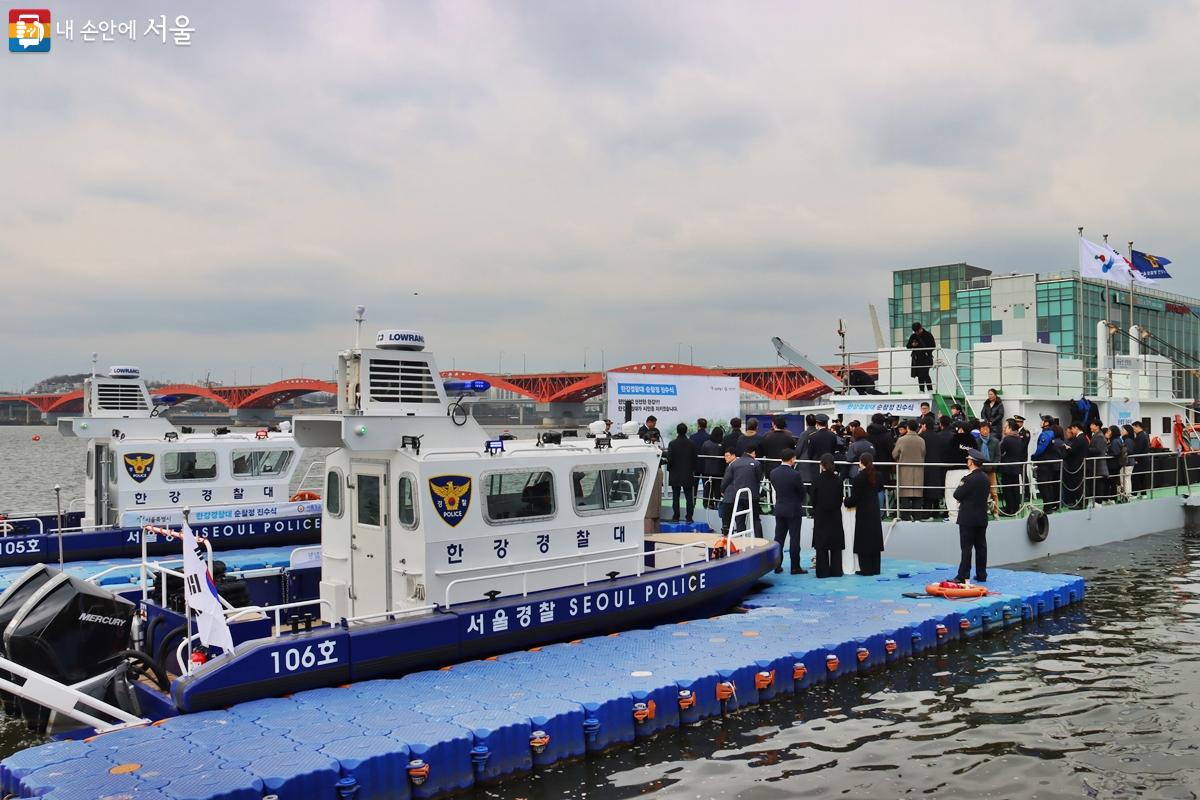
(1022, 370)
(1043, 484)
(313, 479)
(700, 549)
(233, 614)
(145, 567)
(9, 524)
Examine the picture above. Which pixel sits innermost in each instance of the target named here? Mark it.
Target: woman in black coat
(868, 525)
(829, 539)
(993, 411)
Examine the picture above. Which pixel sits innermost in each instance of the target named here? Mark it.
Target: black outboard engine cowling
(11, 602)
(69, 629)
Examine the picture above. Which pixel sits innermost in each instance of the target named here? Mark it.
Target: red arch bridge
(774, 383)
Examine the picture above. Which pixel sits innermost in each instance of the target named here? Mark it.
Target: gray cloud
(559, 176)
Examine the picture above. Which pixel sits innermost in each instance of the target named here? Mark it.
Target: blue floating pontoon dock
(436, 732)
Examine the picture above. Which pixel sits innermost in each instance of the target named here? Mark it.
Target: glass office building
(962, 304)
(929, 295)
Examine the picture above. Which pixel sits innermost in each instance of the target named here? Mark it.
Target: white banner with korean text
(672, 398)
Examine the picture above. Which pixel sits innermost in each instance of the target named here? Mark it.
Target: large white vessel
(1033, 381)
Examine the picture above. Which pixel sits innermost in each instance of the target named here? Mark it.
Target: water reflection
(1097, 701)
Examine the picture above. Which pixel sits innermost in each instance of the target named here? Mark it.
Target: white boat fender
(1037, 525)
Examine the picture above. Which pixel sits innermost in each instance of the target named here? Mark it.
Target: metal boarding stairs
(738, 511)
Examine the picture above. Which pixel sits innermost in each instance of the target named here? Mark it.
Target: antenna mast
(359, 312)
(841, 331)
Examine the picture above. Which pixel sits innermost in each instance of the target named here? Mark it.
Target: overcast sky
(554, 177)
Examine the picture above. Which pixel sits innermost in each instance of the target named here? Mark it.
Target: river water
(1101, 700)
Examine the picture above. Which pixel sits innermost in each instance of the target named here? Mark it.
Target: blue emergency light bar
(466, 387)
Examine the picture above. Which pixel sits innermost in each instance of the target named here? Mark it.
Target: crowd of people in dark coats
(829, 467)
(732, 485)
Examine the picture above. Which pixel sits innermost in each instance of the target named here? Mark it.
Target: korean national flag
(202, 596)
(1102, 262)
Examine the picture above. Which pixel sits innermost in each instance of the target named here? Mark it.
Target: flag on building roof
(1150, 266)
(1102, 262)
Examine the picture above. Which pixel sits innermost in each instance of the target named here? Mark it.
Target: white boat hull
(1008, 542)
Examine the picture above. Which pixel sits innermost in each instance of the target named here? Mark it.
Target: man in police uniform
(972, 494)
(789, 508)
(741, 472)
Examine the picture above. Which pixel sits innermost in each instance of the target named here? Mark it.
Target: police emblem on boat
(139, 465)
(451, 497)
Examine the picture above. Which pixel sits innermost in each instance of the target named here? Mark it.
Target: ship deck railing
(1167, 473)
(278, 629)
(700, 547)
(1025, 376)
(9, 524)
(313, 479)
(145, 567)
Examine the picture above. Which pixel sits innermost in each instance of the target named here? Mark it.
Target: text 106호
(298, 658)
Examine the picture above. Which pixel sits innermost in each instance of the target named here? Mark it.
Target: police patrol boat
(141, 469)
(437, 545)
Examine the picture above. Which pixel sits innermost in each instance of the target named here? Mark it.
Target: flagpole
(1081, 350)
(187, 606)
(1108, 319)
(1132, 289)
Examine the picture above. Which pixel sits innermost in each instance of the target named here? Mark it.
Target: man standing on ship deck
(789, 508)
(921, 343)
(972, 494)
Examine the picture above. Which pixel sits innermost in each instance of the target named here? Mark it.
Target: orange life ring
(722, 547)
(304, 497)
(952, 590)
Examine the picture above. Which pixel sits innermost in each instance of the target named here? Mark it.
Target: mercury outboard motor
(69, 630)
(11, 601)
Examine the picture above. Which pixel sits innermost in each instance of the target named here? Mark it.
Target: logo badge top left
(29, 30)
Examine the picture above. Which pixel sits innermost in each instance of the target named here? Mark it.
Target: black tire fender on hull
(1037, 526)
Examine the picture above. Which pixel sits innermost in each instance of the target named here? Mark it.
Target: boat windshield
(602, 489)
(257, 463)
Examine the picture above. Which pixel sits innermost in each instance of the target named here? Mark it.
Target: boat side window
(333, 492)
(606, 489)
(623, 486)
(408, 504)
(90, 469)
(189, 465)
(367, 487)
(260, 463)
(588, 490)
(518, 496)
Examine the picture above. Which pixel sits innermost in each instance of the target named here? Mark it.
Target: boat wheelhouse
(142, 470)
